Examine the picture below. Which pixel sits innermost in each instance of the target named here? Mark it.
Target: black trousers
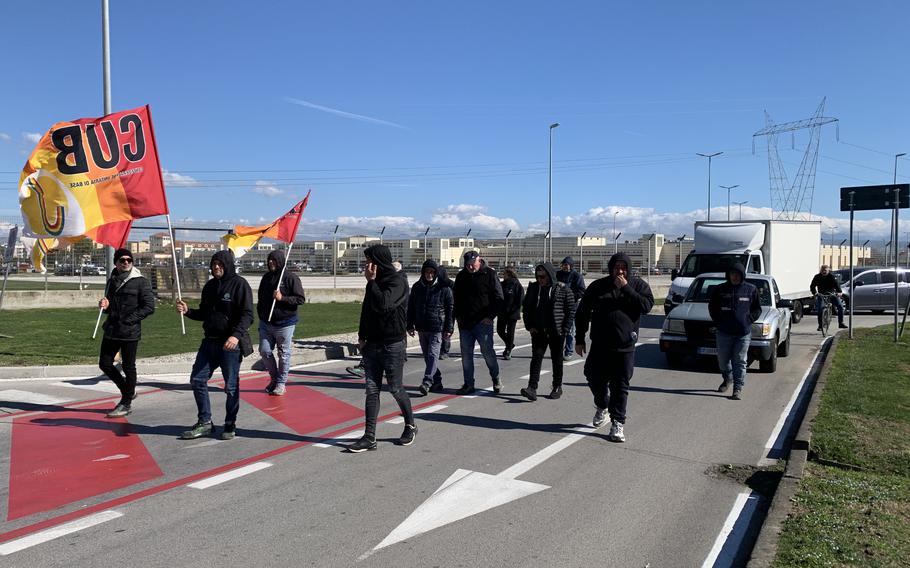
(505, 328)
(127, 349)
(608, 374)
(540, 341)
(385, 359)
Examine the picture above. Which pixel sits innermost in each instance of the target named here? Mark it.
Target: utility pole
(709, 156)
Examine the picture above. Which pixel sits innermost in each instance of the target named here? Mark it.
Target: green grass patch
(51, 285)
(63, 336)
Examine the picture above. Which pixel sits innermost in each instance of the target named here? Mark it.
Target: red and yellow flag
(90, 173)
(282, 229)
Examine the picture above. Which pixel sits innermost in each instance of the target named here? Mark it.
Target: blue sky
(418, 113)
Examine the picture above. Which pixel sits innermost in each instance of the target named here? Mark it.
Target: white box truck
(789, 251)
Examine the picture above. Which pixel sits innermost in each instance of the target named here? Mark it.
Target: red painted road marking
(62, 457)
(302, 408)
(85, 511)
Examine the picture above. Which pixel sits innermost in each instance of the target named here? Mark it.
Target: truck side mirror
(858, 283)
(673, 274)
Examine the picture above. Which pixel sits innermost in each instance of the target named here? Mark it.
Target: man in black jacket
(430, 316)
(825, 283)
(478, 297)
(127, 301)
(383, 343)
(576, 283)
(512, 297)
(226, 312)
(548, 311)
(278, 332)
(733, 306)
(613, 307)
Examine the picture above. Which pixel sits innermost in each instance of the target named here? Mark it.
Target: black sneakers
(507, 354)
(198, 430)
(436, 387)
(119, 411)
(229, 431)
(842, 326)
(529, 393)
(497, 385)
(556, 393)
(407, 437)
(465, 389)
(724, 386)
(362, 445)
(424, 388)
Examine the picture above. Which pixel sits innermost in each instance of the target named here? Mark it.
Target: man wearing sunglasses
(127, 301)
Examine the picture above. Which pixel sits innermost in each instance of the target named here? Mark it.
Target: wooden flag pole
(101, 310)
(287, 259)
(170, 232)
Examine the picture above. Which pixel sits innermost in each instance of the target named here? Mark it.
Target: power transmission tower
(793, 201)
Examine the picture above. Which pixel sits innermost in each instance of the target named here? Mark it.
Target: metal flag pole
(280, 278)
(852, 205)
(170, 232)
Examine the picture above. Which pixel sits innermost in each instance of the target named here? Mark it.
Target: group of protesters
(557, 310)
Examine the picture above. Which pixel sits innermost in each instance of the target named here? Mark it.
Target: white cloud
(5, 137)
(267, 188)
(471, 216)
(173, 178)
(31, 137)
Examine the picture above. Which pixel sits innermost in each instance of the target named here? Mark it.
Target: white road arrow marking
(466, 493)
(113, 457)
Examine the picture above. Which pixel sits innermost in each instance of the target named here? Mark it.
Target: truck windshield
(701, 290)
(696, 264)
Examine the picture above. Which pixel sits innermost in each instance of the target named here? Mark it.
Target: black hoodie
(549, 308)
(613, 313)
(430, 304)
(734, 308)
(291, 294)
(383, 316)
(226, 307)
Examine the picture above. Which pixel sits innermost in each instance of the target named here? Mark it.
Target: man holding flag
(280, 292)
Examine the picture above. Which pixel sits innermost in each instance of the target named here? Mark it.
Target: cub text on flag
(282, 229)
(92, 172)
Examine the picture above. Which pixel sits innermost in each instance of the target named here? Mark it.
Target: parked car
(873, 288)
(689, 330)
(93, 270)
(63, 270)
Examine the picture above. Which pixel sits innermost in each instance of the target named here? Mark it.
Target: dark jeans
(610, 370)
(835, 302)
(505, 328)
(430, 342)
(127, 349)
(210, 356)
(388, 359)
(540, 341)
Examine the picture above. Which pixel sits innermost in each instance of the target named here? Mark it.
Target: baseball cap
(470, 257)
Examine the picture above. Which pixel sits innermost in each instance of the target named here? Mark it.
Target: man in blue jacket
(733, 306)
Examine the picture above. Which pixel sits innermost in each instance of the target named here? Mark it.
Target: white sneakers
(616, 433)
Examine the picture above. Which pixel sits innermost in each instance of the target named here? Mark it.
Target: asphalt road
(545, 491)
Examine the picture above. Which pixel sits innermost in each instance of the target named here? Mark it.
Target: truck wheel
(784, 348)
(770, 365)
(797, 313)
(674, 360)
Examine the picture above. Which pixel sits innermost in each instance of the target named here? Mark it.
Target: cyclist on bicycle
(824, 283)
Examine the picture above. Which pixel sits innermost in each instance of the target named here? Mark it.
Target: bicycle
(827, 312)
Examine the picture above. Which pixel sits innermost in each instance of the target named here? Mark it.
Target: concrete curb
(765, 550)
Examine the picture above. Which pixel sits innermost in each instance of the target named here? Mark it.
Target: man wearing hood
(547, 310)
(278, 332)
(478, 297)
(226, 313)
(430, 315)
(613, 307)
(733, 306)
(383, 321)
(513, 295)
(576, 284)
(127, 301)
(444, 279)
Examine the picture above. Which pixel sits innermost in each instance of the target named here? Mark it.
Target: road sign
(871, 197)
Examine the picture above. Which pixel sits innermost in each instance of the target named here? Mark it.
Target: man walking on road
(383, 343)
(825, 283)
(613, 307)
(513, 296)
(733, 306)
(430, 315)
(548, 310)
(127, 302)
(576, 284)
(278, 332)
(478, 297)
(226, 312)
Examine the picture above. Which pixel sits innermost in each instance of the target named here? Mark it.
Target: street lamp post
(425, 233)
(709, 156)
(729, 189)
(679, 251)
(863, 249)
(582, 249)
(649, 254)
(507, 247)
(840, 253)
(550, 193)
(615, 213)
(380, 234)
(615, 240)
(740, 203)
(335, 257)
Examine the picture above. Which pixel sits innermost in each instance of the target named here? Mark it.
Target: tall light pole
(507, 247)
(425, 233)
(582, 247)
(740, 203)
(863, 249)
(615, 213)
(545, 237)
(380, 234)
(840, 252)
(831, 244)
(649, 254)
(615, 240)
(894, 234)
(709, 156)
(679, 251)
(553, 126)
(729, 189)
(335, 257)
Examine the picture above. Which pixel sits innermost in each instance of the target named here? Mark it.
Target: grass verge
(853, 504)
(63, 336)
(51, 285)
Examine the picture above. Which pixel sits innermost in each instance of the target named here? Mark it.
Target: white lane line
(13, 395)
(113, 458)
(575, 362)
(543, 455)
(353, 435)
(480, 392)
(427, 410)
(204, 444)
(731, 532)
(773, 444)
(56, 532)
(229, 475)
(528, 376)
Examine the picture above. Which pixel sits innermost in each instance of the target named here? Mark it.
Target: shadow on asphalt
(501, 424)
